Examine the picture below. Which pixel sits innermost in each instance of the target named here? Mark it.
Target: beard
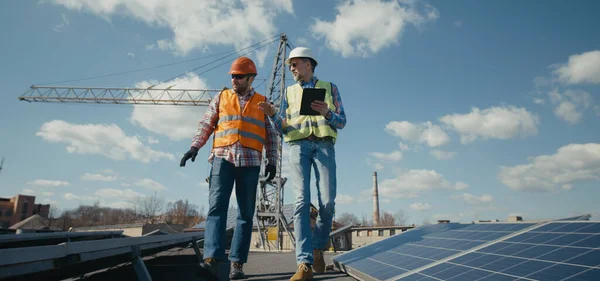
(240, 89)
(297, 76)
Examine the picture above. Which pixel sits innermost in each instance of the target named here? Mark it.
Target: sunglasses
(238, 76)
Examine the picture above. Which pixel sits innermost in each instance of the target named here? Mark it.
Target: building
(20, 207)
(365, 235)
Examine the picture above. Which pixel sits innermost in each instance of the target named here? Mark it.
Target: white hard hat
(301, 52)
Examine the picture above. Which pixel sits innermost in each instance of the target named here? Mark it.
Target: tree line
(150, 209)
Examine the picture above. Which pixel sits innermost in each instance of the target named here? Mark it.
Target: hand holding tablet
(313, 101)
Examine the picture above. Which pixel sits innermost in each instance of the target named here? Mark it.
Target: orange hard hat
(243, 65)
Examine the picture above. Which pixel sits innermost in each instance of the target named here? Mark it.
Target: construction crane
(269, 207)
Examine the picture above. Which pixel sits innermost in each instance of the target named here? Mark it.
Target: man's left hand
(270, 171)
(321, 107)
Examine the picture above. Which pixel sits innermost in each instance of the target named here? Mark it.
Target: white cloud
(106, 140)
(174, 122)
(48, 194)
(49, 183)
(344, 199)
(27, 191)
(150, 184)
(409, 184)
(403, 146)
(474, 199)
(442, 155)
(375, 165)
(458, 23)
(426, 132)
(571, 105)
(365, 27)
(63, 25)
(570, 164)
(196, 25)
(581, 68)
(98, 177)
(118, 193)
(152, 140)
(72, 197)
(119, 205)
(394, 156)
(504, 122)
(420, 206)
(130, 54)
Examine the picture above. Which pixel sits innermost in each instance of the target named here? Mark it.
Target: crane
(269, 207)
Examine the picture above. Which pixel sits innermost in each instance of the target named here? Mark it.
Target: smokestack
(375, 201)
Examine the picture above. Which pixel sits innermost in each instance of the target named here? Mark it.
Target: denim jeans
(319, 155)
(222, 176)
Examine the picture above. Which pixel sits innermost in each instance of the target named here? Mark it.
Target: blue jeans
(222, 176)
(319, 155)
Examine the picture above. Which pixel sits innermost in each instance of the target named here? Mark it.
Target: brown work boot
(211, 265)
(303, 273)
(237, 271)
(319, 264)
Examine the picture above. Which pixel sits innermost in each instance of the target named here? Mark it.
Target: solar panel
(419, 247)
(52, 238)
(69, 259)
(557, 250)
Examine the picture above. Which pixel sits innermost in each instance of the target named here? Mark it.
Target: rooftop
(181, 264)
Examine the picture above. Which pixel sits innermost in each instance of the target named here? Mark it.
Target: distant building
(20, 207)
(365, 235)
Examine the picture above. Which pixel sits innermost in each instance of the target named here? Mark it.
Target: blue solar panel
(422, 246)
(557, 250)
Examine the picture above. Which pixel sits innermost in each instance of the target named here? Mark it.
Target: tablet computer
(308, 96)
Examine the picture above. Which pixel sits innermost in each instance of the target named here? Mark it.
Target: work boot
(319, 264)
(236, 271)
(303, 273)
(211, 265)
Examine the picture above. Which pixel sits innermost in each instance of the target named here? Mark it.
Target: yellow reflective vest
(302, 126)
(246, 126)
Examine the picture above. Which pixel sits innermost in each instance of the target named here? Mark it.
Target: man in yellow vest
(311, 139)
(241, 131)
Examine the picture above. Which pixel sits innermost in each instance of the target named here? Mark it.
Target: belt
(315, 138)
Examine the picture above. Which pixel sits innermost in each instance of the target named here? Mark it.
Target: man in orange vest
(241, 131)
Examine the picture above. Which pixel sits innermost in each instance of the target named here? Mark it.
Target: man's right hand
(267, 108)
(192, 153)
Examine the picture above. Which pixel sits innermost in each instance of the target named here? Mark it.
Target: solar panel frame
(425, 246)
(50, 238)
(525, 261)
(50, 258)
(523, 250)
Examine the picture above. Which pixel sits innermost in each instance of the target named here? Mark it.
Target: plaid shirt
(237, 154)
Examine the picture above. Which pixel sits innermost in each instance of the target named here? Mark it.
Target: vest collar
(250, 93)
(311, 83)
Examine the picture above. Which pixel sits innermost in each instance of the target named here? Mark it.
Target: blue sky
(466, 109)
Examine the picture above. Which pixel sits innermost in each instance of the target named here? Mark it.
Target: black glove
(192, 153)
(270, 170)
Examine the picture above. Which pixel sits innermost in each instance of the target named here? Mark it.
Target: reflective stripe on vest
(302, 126)
(246, 126)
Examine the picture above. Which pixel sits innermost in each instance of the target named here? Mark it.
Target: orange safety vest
(247, 127)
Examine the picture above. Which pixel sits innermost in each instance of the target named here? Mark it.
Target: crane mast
(269, 208)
